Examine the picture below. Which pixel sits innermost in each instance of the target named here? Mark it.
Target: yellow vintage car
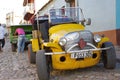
(61, 42)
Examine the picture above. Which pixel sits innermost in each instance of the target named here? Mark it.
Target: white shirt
(2, 32)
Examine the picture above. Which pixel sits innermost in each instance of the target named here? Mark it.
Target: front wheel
(109, 56)
(42, 67)
(31, 54)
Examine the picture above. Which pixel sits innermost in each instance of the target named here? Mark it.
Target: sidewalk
(117, 48)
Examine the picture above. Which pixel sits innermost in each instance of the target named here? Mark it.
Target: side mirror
(88, 21)
(85, 21)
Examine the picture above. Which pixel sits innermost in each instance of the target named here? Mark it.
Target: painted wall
(59, 3)
(46, 9)
(53, 4)
(101, 12)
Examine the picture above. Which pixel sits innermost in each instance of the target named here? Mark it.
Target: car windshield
(64, 15)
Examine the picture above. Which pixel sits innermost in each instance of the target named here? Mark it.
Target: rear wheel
(109, 56)
(13, 46)
(42, 67)
(31, 54)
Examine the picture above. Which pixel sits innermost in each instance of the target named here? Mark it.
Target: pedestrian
(21, 40)
(2, 37)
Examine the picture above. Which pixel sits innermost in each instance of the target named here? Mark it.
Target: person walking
(21, 40)
(2, 37)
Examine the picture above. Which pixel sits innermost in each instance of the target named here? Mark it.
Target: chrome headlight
(62, 41)
(97, 38)
(70, 37)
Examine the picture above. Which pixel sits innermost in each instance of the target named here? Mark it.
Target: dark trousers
(2, 42)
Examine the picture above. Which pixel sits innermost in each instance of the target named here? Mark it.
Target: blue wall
(118, 14)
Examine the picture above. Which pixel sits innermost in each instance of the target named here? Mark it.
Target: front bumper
(64, 61)
(69, 50)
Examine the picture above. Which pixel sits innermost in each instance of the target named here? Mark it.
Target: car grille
(86, 35)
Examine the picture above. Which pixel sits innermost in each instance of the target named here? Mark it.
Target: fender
(35, 45)
(54, 46)
(103, 39)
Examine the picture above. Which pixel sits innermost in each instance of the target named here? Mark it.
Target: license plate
(82, 54)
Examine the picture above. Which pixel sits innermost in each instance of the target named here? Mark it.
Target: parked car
(61, 42)
(13, 38)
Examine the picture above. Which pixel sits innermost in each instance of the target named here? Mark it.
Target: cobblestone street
(14, 67)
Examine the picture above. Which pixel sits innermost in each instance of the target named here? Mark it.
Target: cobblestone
(14, 67)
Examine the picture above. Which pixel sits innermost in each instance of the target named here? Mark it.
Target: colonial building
(13, 18)
(29, 10)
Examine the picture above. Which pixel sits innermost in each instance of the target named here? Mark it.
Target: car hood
(58, 31)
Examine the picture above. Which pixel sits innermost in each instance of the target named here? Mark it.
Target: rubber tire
(13, 47)
(109, 56)
(42, 67)
(31, 55)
